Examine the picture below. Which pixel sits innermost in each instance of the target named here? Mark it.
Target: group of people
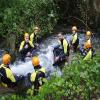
(86, 50)
(29, 44)
(38, 78)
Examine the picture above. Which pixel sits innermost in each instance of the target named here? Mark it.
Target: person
(75, 39)
(38, 77)
(88, 43)
(88, 52)
(33, 36)
(8, 79)
(64, 48)
(88, 38)
(88, 48)
(26, 47)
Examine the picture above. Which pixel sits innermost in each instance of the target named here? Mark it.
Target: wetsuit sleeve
(65, 45)
(21, 46)
(88, 56)
(32, 77)
(31, 44)
(10, 75)
(32, 37)
(74, 38)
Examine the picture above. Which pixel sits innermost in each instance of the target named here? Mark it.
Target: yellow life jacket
(23, 43)
(33, 76)
(2, 65)
(8, 73)
(41, 80)
(74, 38)
(89, 55)
(41, 70)
(33, 37)
(65, 45)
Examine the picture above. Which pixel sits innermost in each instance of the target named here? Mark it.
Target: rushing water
(46, 56)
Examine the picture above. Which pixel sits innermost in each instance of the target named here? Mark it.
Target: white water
(46, 58)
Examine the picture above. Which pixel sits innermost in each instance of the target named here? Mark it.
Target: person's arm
(10, 75)
(33, 77)
(74, 38)
(88, 56)
(31, 44)
(31, 37)
(65, 45)
(21, 46)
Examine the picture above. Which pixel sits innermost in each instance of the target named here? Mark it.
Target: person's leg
(23, 54)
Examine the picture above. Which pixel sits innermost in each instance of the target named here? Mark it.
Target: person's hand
(26, 46)
(56, 59)
(37, 44)
(29, 54)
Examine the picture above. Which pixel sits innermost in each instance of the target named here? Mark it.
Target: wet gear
(7, 76)
(40, 79)
(33, 38)
(88, 44)
(36, 28)
(75, 41)
(88, 33)
(23, 44)
(37, 79)
(61, 52)
(88, 55)
(6, 59)
(24, 50)
(64, 46)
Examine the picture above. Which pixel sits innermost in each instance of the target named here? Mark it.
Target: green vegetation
(19, 16)
(80, 81)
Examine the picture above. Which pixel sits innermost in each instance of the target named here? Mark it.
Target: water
(46, 57)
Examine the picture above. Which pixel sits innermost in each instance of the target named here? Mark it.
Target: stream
(46, 56)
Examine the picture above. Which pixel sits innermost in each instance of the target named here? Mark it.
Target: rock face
(2, 52)
(11, 40)
(97, 5)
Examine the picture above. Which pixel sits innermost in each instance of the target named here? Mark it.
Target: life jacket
(37, 79)
(23, 44)
(7, 76)
(89, 55)
(88, 44)
(65, 45)
(74, 38)
(33, 38)
(38, 73)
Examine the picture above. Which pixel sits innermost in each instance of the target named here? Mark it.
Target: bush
(80, 81)
(19, 16)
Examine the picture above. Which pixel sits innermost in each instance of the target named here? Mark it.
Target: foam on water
(46, 57)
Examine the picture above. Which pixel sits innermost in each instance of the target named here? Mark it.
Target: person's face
(73, 31)
(27, 39)
(60, 37)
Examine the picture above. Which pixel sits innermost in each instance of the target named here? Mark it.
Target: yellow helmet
(35, 61)
(74, 28)
(6, 59)
(26, 35)
(36, 28)
(88, 33)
